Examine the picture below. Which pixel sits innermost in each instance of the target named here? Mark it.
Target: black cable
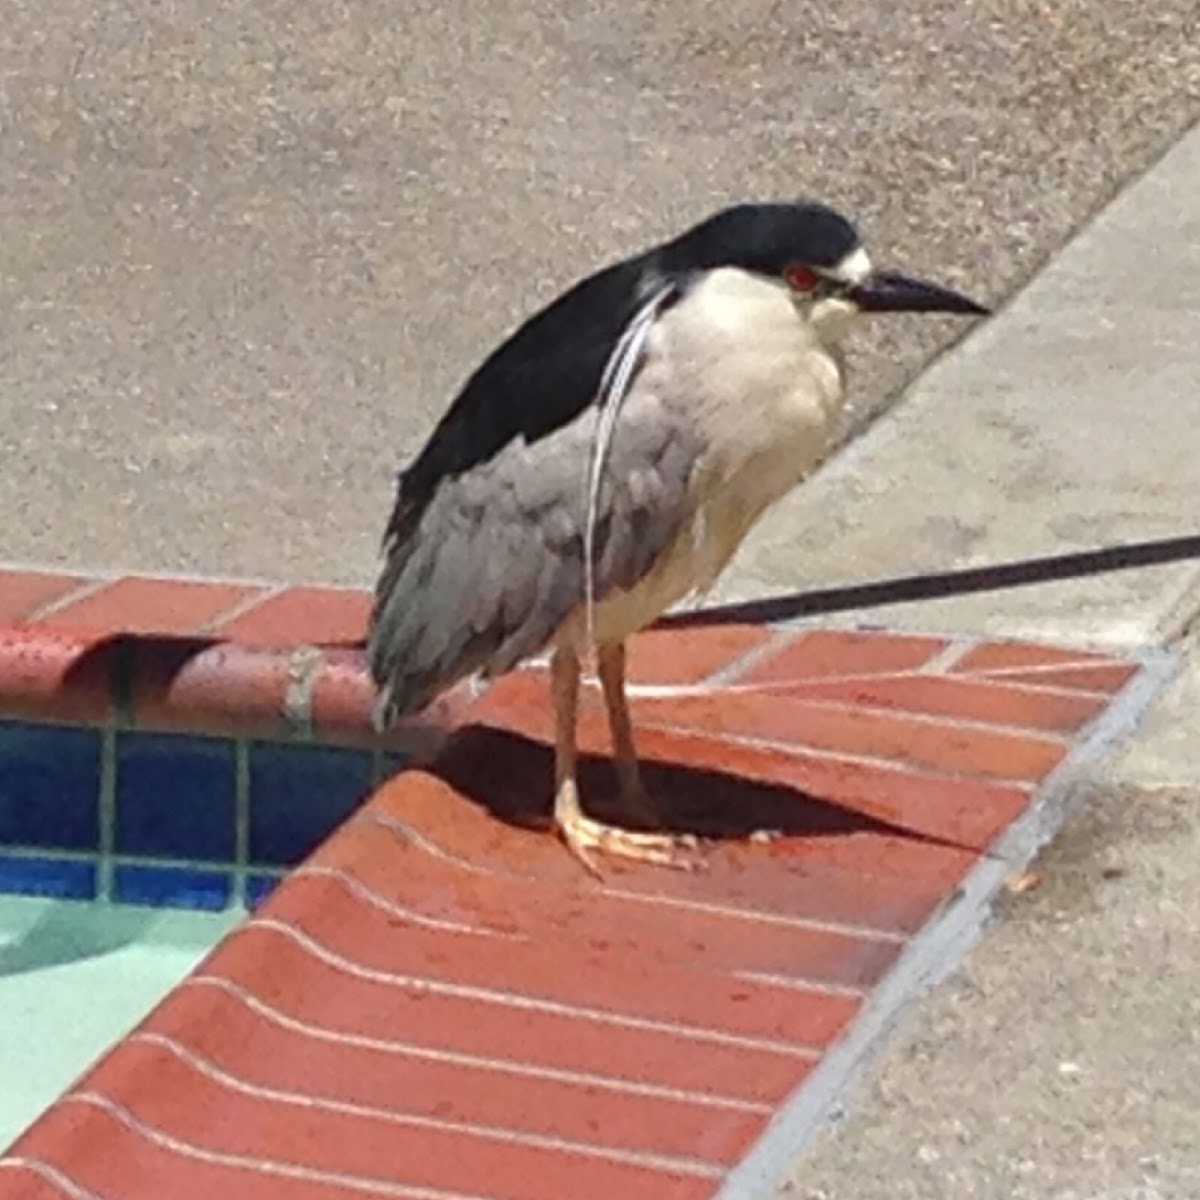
(935, 585)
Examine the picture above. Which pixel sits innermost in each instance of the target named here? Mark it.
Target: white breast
(736, 362)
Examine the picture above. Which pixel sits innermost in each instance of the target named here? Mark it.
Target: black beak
(889, 291)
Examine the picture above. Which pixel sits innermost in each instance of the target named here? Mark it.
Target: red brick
(100, 1152)
(1098, 678)
(222, 688)
(193, 1106)
(964, 812)
(526, 692)
(271, 965)
(343, 693)
(22, 1181)
(868, 879)
(224, 1030)
(895, 869)
(820, 653)
(54, 675)
(23, 592)
(778, 718)
(1009, 656)
(149, 606)
(968, 812)
(689, 655)
(989, 701)
(302, 616)
(583, 976)
(587, 917)
(343, 696)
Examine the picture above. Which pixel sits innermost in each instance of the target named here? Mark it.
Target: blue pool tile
(299, 795)
(59, 878)
(171, 887)
(259, 886)
(391, 766)
(175, 796)
(49, 786)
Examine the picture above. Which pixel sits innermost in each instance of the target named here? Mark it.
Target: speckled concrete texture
(248, 251)
(1065, 422)
(1060, 1062)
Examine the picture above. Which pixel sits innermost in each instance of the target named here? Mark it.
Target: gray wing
(496, 561)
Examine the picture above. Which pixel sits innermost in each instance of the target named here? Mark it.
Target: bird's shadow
(510, 776)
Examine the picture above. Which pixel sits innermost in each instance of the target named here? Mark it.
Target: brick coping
(438, 1003)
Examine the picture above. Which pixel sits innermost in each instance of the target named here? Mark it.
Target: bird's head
(817, 255)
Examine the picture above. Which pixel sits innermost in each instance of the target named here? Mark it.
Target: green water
(74, 978)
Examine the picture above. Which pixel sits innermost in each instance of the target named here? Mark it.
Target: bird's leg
(581, 832)
(564, 687)
(611, 668)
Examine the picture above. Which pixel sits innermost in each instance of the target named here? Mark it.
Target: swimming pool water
(75, 977)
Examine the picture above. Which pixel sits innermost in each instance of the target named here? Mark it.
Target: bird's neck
(832, 320)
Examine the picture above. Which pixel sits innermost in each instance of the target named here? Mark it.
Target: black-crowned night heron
(608, 458)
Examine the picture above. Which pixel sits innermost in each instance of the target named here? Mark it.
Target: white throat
(833, 318)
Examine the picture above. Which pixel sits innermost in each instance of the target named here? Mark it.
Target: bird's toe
(586, 837)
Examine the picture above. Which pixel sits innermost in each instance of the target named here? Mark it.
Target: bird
(605, 462)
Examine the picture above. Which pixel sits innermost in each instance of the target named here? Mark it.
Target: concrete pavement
(1059, 1062)
(248, 251)
(1068, 421)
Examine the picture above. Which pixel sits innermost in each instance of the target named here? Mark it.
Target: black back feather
(550, 368)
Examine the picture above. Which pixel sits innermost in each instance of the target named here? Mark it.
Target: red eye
(800, 278)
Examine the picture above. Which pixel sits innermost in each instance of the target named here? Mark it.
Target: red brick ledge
(205, 656)
(439, 1003)
(255, 659)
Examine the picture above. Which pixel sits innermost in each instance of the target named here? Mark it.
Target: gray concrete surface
(248, 250)
(1070, 420)
(1060, 1061)
(1166, 752)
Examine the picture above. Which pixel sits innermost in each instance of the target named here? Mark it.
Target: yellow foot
(584, 835)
